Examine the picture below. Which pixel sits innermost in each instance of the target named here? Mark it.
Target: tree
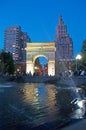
(83, 54)
(7, 63)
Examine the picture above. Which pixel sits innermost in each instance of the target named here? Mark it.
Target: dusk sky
(39, 19)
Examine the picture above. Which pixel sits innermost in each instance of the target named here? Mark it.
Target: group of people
(70, 73)
(80, 73)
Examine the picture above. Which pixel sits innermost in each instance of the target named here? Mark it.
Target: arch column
(29, 67)
(51, 67)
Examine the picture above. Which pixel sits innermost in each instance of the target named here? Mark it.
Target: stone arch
(46, 49)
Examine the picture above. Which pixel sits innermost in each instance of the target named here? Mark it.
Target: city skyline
(40, 18)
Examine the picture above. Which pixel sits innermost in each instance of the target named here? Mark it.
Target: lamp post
(78, 57)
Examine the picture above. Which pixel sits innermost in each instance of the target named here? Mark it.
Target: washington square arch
(37, 49)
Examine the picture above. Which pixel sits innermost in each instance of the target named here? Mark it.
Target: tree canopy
(6, 63)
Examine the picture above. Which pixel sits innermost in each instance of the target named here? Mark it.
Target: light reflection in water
(34, 104)
(42, 98)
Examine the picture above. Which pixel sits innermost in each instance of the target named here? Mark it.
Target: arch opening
(41, 66)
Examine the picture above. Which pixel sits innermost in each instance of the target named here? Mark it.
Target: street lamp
(78, 57)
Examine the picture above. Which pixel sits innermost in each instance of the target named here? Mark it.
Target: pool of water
(32, 105)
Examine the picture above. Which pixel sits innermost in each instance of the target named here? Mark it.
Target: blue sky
(39, 19)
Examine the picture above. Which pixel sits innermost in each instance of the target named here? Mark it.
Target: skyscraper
(15, 43)
(64, 44)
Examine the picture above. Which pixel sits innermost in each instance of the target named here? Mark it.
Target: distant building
(15, 42)
(23, 40)
(64, 46)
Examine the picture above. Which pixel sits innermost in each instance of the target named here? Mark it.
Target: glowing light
(78, 57)
(80, 103)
